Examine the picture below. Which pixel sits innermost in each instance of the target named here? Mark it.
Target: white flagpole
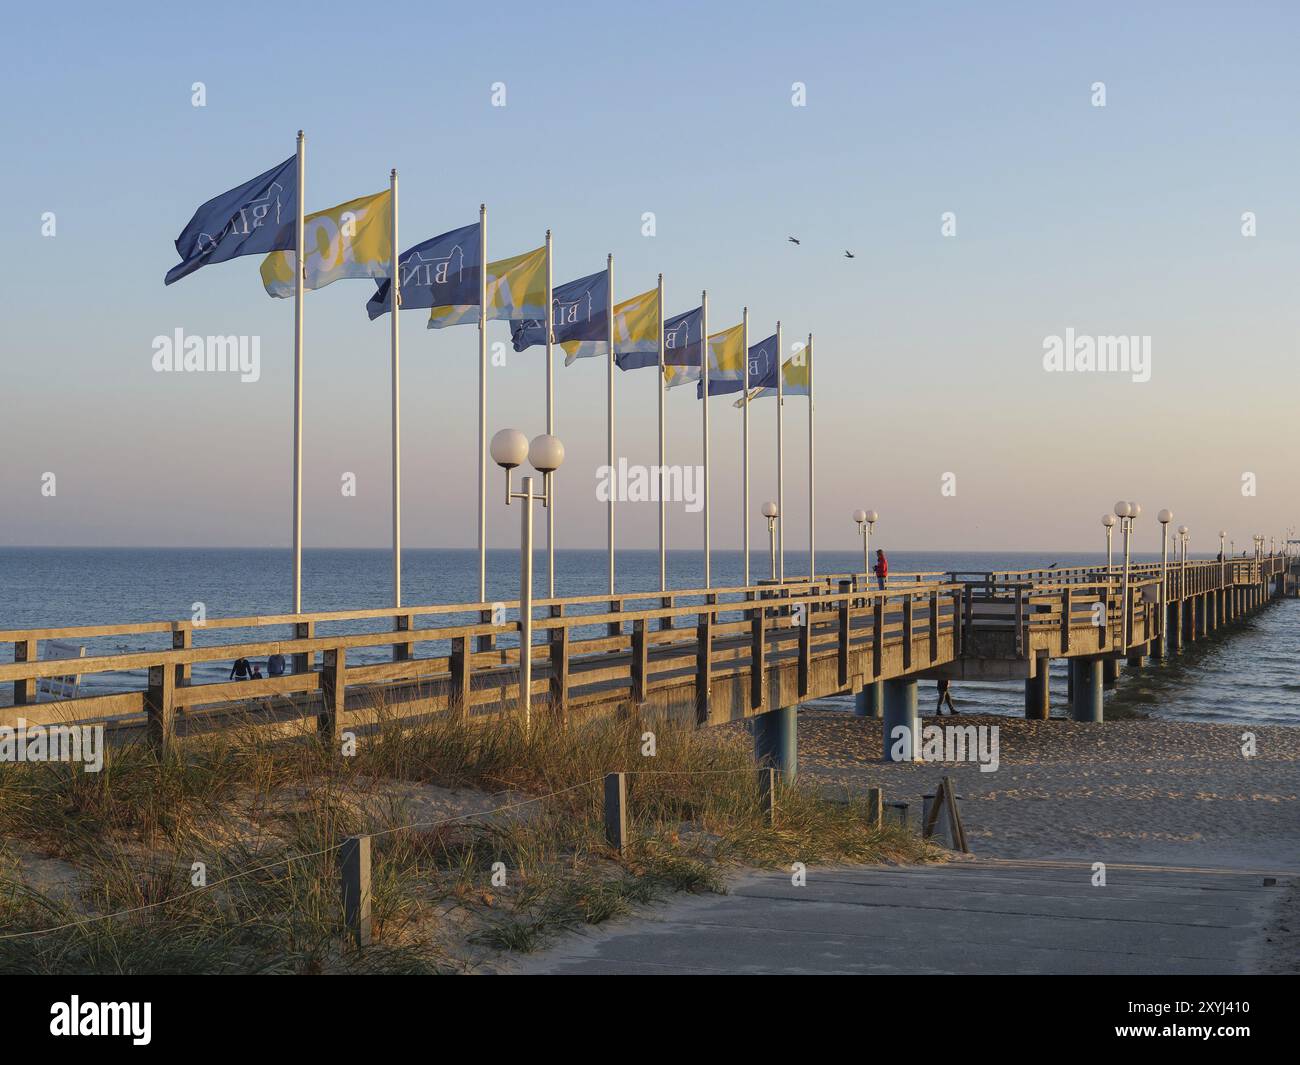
(780, 459)
(550, 423)
(609, 418)
(663, 523)
(812, 472)
(395, 296)
(744, 449)
(482, 403)
(704, 377)
(299, 265)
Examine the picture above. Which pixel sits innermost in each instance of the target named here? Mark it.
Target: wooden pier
(702, 655)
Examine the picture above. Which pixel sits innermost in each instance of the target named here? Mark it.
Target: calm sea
(1247, 675)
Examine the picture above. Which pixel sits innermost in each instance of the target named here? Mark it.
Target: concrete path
(983, 916)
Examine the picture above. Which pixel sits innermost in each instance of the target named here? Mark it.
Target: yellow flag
(354, 239)
(516, 288)
(727, 354)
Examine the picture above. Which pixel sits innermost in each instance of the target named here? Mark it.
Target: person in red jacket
(881, 568)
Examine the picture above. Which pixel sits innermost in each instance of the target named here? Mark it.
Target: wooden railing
(607, 652)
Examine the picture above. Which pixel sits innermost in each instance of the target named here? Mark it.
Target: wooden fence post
(616, 810)
(403, 623)
(805, 655)
(703, 666)
(560, 666)
(757, 659)
(640, 663)
(182, 640)
(907, 631)
(615, 628)
(875, 803)
(25, 690)
(160, 705)
(845, 634)
(304, 662)
(461, 671)
(934, 626)
(957, 646)
(354, 879)
(1066, 607)
(334, 694)
(877, 635)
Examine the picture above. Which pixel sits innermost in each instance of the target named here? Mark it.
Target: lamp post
(509, 449)
(1127, 514)
(1164, 517)
(866, 520)
(770, 512)
(1108, 520)
(1182, 566)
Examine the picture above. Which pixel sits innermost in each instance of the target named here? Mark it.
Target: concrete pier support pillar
(776, 741)
(1136, 661)
(1038, 693)
(901, 712)
(869, 701)
(1110, 672)
(1088, 690)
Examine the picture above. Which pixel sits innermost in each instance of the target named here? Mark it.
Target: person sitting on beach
(275, 665)
(945, 696)
(241, 670)
(881, 568)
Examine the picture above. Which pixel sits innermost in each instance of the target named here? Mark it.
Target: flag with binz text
(441, 272)
(636, 332)
(726, 362)
(257, 217)
(579, 316)
(682, 345)
(794, 379)
(354, 239)
(516, 288)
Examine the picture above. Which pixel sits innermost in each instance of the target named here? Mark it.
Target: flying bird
(793, 240)
(849, 255)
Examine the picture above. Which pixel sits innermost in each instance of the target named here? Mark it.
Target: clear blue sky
(1115, 220)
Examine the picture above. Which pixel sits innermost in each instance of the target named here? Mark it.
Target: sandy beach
(1147, 791)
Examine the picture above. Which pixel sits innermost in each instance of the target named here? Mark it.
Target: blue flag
(442, 271)
(256, 218)
(762, 371)
(579, 310)
(682, 343)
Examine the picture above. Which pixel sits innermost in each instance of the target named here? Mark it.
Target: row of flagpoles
(451, 277)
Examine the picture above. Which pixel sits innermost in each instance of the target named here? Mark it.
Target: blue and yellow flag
(442, 271)
(354, 239)
(636, 332)
(726, 362)
(676, 376)
(681, 344)
(516, 288)
(762, 370)
(252, 219)
(794, 378)
(579, 315)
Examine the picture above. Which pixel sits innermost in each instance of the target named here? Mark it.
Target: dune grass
(451, 892)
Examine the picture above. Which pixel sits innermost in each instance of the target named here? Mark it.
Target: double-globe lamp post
(1164, 517)
(1108, 520)
(866, 520)
(1127, 514)
(770, 512)
(546, 453)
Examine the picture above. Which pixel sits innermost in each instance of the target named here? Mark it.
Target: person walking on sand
(881, 568)
(945, 696)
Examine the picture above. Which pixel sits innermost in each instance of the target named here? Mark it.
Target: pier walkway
(702, 655)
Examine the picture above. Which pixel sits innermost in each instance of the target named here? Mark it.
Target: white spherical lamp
(546, 453)
(509, 448)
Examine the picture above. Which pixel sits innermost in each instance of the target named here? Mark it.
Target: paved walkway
(982, 916)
